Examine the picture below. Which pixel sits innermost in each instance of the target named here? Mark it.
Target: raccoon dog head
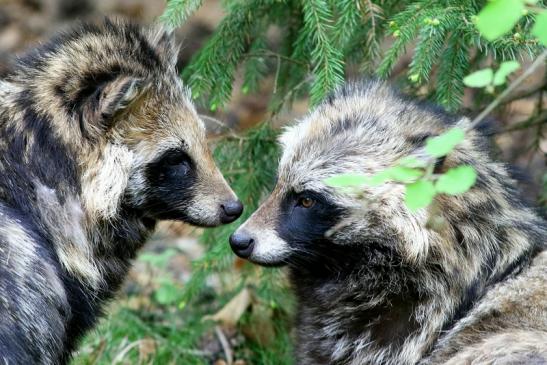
(363, 128)
(139, 141)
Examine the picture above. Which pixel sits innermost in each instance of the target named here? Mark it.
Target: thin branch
(291, 92)
(119, 357)
(525, 94)
(528, 123)
(225, 345)
(271, 54)
(277, 70)
(507, 91)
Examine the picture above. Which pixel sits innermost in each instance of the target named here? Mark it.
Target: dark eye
(306, 202)
(183, 167)
(176, 163)
(174, 159)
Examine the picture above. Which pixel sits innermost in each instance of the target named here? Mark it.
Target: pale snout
(261, 246)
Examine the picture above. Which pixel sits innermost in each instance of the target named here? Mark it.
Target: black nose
(242, 244)
(230, 211)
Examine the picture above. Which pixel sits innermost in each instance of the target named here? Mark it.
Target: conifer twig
(178, 11)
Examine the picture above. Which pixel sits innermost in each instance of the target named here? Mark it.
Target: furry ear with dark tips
(107, 102)
(165, 45)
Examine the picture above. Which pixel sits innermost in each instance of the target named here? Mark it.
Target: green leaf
(167, 293)
(405, 174)
(479, 78)
(347, 180)
(442, 145)
(457, 180)
(419, 194)
(505, 69)
(540, 27)
(157, 259)
(499, 17)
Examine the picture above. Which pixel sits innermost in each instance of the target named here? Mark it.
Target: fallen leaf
(230, 314)
(260, 328)
(147, 348)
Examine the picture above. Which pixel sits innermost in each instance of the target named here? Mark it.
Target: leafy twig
(538, 62)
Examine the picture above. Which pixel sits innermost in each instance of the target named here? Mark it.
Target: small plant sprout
(497, 18)
(487, 78)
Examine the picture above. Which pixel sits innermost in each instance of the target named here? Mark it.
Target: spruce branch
(212, 69)
(428, 50)
(347, 22)
(452, 69)
(178, 11)
(327, 60)
(370, 41)
(404, 26)
(296, 48)
(255, 67)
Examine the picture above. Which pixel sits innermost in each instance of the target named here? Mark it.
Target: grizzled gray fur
(98, 141)
(374, 284)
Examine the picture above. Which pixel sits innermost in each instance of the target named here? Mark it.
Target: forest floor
(149, 324)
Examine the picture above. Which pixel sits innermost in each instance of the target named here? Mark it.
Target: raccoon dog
(375, 285)
(98, 141)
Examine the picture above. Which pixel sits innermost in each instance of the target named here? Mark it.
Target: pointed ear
(107, 102)
(163, 40)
